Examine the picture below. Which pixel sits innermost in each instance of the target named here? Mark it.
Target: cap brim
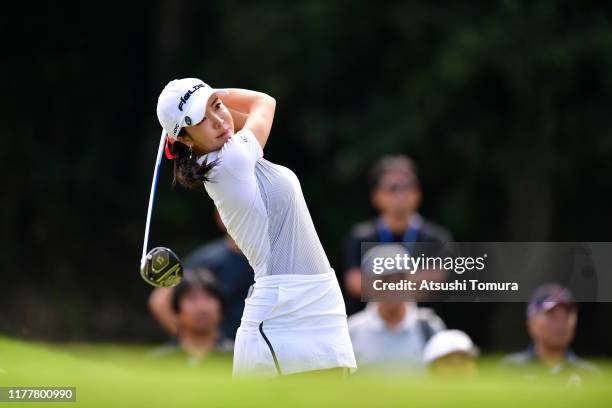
(197, 108)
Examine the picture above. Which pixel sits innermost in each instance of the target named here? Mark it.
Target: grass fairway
(122, 376)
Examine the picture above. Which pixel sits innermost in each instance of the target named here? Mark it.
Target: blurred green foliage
(504, 105)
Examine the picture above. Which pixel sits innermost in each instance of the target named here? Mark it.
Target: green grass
(122, 376)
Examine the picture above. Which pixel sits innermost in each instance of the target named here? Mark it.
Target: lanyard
(410, 235)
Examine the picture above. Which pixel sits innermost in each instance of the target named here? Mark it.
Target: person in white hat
(451, 353)
(294, 319)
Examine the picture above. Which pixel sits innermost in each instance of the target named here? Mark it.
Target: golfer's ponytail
(187, 171)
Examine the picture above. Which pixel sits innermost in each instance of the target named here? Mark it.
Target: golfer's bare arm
(258, 107)
(239, 119)
(160, 305)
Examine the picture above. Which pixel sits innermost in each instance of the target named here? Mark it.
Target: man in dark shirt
(552, 315)
(395, 192)
(234, 277)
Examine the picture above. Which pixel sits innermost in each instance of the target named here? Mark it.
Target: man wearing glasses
(395, 192)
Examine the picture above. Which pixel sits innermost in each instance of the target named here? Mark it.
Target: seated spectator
(392, 334)
(395, 192)
(451, 353)
(234, 276)
(552, 315)
(198, 307)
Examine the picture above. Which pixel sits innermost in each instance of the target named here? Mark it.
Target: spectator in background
(391, 334)
(197, 303)
(552, 315)
(396, 194)
(451, 353)
(234, 276)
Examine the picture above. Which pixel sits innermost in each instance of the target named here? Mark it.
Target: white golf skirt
(292, 324)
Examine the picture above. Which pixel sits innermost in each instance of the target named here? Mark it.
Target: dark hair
(187, 171)
(199, 277)
(391, 163)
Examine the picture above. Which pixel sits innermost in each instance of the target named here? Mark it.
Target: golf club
(159, 267)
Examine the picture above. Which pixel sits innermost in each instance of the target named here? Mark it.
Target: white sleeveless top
(263, 209)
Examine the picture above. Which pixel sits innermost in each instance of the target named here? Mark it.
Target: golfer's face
(214, 130)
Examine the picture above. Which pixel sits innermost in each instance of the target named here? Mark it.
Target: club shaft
(160, 152)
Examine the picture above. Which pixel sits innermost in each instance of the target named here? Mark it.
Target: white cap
(183, 103)
(446, 342)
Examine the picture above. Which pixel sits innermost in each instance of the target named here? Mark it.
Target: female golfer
(294, 319)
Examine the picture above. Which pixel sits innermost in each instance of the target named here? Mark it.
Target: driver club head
(161, 268)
